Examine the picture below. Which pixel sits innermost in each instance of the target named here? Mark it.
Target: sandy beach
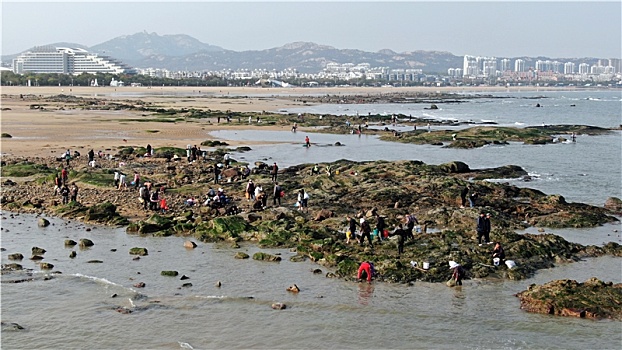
(49, 131)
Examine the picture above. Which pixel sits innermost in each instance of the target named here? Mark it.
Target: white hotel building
(63, 60)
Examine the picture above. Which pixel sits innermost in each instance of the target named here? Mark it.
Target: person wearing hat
(402, 235)
(498, 252)
(365, 232)
(457, 273)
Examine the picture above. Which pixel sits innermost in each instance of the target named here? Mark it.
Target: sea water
(76, 309)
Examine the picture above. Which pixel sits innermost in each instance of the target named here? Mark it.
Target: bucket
(510, 264)
(495, 261)
(413, 263)
(426, 265)
(418, 229)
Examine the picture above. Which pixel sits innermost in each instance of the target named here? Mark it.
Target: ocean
(76, 309)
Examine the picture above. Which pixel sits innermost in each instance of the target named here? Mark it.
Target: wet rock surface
(591, 299)
(361, 189)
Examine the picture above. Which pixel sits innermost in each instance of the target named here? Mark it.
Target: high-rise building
(616, 63)
(519, 65)
(505, 65)
(48, 59)
(470, 67)
(584, 68)
(569, 68)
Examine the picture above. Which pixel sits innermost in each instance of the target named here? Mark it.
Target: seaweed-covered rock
(38, 251)
(16, 256)
(43, 222)
(266, 257)
(241, 255)
(614, 204)
(105, 213)
(591, 299)
(70, 243)
(169, 273)
(139, 251)
(455, 167)
(85, 242)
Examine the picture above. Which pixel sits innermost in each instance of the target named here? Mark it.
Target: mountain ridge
(183, 52)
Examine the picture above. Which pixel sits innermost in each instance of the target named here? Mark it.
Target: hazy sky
(558, 29)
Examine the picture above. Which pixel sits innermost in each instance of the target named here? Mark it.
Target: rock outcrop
(591, 299)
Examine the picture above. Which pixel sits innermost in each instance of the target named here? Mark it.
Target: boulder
(293, 288)
(614, 204)
(94, 262)
(230, 173)
(323, 214)
(186, 285)
(70, 243)
(46, 266)
(591, 299)
(105, 213)
(169, 273)
(72, 254)
(16, 256)
(455, 167)
(241, 255)
(43, 222)
(190, 244)
(38, 251)
(139, 251)
(266, 257)
(279, 306)
(139, 285)
(85, 242)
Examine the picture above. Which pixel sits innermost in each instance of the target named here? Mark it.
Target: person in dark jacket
(463, 196)
(402, 235)
(498, 252)
(365, 232)
(380, 226)
(481, 229)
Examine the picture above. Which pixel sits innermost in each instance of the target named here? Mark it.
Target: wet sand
(51, 131)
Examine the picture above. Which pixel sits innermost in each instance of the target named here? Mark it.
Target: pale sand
(50, 132)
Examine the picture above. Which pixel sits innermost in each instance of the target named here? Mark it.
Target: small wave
(488, 121)
(184, 345)
(97, 279)
(519, 123)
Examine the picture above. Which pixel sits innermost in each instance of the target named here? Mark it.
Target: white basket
(510, 264)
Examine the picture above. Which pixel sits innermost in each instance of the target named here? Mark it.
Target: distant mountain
(183, 52)
(303, 56)
(133, 48)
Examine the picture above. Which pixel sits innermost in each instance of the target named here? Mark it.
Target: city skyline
(501, 29)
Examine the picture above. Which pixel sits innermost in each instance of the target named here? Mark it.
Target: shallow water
(76, 308)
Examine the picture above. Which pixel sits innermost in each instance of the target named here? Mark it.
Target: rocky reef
(446, 231)
(591, 299)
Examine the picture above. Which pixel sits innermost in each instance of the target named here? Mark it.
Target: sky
(556, 29)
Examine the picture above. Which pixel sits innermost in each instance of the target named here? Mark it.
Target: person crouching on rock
(366, 271)
(498, 252)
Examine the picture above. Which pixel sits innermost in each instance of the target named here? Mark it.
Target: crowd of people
(359, 227)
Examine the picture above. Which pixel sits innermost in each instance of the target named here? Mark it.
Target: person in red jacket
(366, 271)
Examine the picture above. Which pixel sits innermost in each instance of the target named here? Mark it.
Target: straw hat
(453, 264)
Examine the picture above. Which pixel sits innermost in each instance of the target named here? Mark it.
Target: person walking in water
(307, 142)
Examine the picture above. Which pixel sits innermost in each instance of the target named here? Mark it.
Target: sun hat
(362, 220)
(453, 264)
